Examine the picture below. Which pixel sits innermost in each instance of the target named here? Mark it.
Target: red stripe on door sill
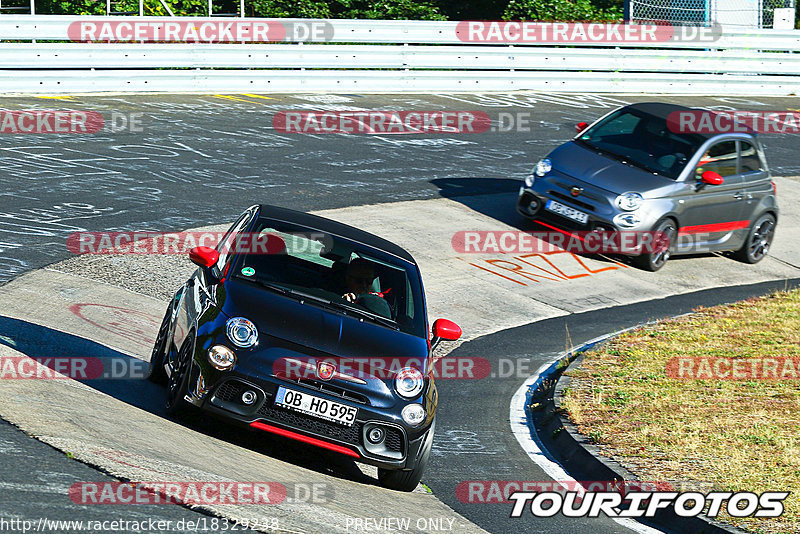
(718, 227)
(305, 439)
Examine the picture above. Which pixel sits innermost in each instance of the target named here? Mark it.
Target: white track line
(533, 447)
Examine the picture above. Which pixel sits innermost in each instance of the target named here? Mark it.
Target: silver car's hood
(588, 166)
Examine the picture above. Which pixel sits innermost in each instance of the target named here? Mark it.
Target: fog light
(413, 414)
(375, 435)
(221, 357)
(249, 397)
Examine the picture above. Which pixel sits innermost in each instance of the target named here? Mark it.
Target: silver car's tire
(653, 261)
(758, 241)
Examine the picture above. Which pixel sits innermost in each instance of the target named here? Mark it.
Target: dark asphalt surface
(473, 437)
(201, 159)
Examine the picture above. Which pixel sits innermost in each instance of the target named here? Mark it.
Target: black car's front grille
(394, 439)
(571, 200)
(320, 427)
(230, 391)
(333, 390)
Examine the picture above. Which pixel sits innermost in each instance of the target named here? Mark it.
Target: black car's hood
(589, 166)
(308, 326)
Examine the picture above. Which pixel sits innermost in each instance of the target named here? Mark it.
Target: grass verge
(729, 435)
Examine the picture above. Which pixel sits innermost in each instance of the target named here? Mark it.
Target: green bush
(563, 10)
(386, 9)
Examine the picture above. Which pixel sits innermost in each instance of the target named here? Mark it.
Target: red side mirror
(203, 256)
(581, 126)
(446, 330)
(712, 178)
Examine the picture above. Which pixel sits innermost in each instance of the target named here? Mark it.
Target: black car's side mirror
(444, 330)
(206, 258)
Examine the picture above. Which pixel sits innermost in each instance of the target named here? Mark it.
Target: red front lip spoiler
(305, 439)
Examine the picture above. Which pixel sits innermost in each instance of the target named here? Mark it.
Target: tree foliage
(563, 10)
(360, 9)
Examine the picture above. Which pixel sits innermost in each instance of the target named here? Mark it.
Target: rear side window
(720, 158)
(749, 160)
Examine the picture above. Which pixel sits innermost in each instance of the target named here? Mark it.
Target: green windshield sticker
(248, 271)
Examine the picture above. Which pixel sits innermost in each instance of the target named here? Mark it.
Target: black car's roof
(332, 227)
(662, 111)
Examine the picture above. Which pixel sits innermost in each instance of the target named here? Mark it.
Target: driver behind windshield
(359, 277)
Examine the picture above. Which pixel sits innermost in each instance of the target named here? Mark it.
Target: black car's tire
(155, 369)
(407, 480)
(758, 241)
(176, 406)
(654, 261)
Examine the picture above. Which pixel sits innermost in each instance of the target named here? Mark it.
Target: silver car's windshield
(642, 140)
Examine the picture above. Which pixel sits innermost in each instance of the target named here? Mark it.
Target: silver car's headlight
(627, 220)
(242, 332)
(409, 382)
(543, 167)
(630, 201)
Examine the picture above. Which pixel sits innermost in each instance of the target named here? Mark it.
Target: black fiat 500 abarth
(309, 329)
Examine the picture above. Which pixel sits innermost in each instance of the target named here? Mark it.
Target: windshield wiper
(341, 307)
(372, 316)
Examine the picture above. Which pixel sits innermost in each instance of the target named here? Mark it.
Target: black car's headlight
(409, 382)
(221, 357)
(242, 332)
(413, 414)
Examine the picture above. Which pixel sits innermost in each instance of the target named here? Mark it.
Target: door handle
(738, 196)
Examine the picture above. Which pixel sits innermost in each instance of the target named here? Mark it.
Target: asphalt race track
(200, 160)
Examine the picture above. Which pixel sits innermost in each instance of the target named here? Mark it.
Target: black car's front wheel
(407, 480)
(155, 369)
(176, 405)
(758, 241)
(665, 233)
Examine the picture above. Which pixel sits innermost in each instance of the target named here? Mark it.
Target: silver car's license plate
(316, 406)
(566, 211)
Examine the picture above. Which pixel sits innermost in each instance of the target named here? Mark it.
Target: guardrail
(411, 55)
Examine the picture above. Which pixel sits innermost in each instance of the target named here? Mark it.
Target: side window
(749, 158)
(720, 158)
(225, 246)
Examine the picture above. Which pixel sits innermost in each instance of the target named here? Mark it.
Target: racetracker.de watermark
(73, 367)
(713, 368)
(200, 30)
(387, 368)
(381, 122)
(719, 122)
(513, 242)
(500, 491)
(166, 243)
(582, 32)
(37, 121)
(192, 493)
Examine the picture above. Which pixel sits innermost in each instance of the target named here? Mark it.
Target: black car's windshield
(332, 272)
(642, 140)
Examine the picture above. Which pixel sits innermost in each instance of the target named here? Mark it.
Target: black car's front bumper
(399, 449)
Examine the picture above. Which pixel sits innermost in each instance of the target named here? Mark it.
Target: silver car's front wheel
(666, 231)
(758, 240)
